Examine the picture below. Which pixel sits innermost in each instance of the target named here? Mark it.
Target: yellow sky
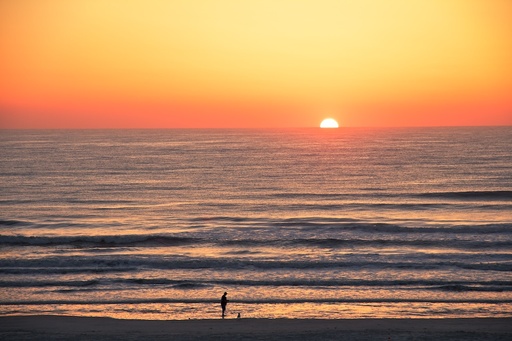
(92, 63)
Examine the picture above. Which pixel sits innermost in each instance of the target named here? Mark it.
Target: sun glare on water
(329, 123)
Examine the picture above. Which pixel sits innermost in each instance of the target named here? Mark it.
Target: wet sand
(91, 328)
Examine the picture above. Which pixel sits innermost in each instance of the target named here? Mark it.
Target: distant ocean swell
(493, 205)
(171, 240)
(498, 195)
(70, 264)
(319, 224)
(494, 195)
(457, 286)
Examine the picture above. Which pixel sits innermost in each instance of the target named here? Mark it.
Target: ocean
(292, 223)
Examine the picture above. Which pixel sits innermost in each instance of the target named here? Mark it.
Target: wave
(397, 206)
(122, 264)
(159, 240)
(12, 222)
(379, 192)
(99, 241)
(250, 301)
(320, 224)
(434, 243)
(47, 283)
(476, 287)
(106, 284)
(354, 225)
(475, 195)
(65, 270)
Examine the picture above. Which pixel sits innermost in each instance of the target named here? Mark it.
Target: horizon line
(255, 128)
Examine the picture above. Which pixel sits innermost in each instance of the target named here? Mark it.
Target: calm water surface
(344, 223)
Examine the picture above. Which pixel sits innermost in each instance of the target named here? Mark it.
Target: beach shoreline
(50, 327)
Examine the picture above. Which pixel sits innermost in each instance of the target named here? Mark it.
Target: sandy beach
(88, 328)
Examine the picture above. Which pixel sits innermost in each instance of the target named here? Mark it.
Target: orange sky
(261, 63)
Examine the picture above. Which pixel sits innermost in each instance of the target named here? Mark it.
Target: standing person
(223, 303)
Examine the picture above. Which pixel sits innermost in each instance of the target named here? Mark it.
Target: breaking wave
(188, 284)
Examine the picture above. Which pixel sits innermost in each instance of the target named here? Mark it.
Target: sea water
(296, 223)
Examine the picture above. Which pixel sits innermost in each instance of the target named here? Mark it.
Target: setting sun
(329, 123)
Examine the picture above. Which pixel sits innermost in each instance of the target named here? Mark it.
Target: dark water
(292, 223)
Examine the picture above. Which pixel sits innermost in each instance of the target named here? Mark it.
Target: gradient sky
(262, 63)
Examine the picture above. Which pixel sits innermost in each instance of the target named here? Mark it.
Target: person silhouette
(223, 303)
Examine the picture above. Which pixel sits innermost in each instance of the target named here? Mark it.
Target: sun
(329, 123)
